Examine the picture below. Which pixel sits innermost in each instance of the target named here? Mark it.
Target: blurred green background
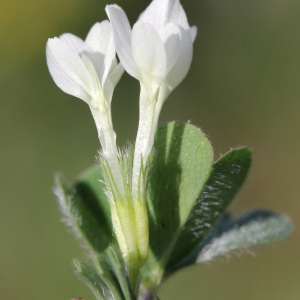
(243, 89)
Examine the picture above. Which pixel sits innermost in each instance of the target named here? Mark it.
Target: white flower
(89, 70)
(85, 68)
(159, 48)
(158, 52)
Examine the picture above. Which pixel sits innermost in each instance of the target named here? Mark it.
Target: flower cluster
(157, 51)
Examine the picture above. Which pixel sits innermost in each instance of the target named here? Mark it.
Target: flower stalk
(144, 140)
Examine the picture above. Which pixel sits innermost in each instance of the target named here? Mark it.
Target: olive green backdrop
(243, 89)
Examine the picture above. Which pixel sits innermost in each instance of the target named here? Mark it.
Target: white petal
(161, 12)
(149, 55)
(100, 40)
(67, 69)
(116, 74)
(180, 69)
(99, 36)
(111, 80)
(171, 37)
(110, 59)
(108, 89)
(94, 63)
(95, 87)
(193, 31)
(74, 42)
(122, 37)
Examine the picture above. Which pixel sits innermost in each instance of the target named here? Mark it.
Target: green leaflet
(226, 178)
(106, 276)
(182, 163)
(255, 228)
(90, 275)
(85, 208)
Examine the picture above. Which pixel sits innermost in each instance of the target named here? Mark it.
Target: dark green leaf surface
(85, 208)
(90, 186)
(255, 228)
(182, 164)
(226, 178)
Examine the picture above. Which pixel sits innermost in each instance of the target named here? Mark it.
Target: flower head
(87, 68)
(159, 48)
(158, 52)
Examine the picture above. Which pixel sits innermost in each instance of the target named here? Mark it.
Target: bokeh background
(243, 89)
